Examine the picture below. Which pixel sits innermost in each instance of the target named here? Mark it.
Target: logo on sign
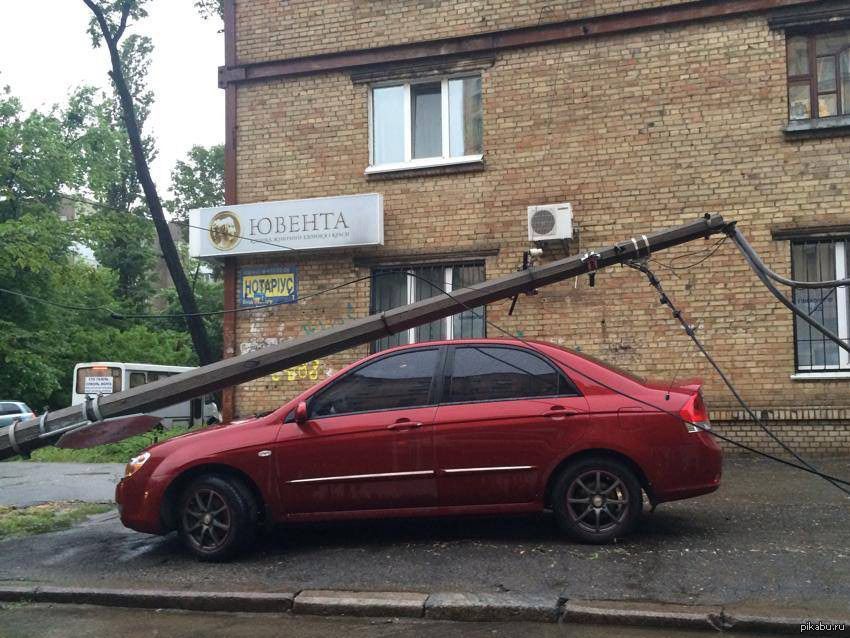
(225, 230)
(270, 285)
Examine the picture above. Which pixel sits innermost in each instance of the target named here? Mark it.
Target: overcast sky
(45, 51)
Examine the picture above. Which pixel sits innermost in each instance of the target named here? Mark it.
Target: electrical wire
(712, 250)
(677, 314)
(751, 254)
(601, 383)
(760, 270)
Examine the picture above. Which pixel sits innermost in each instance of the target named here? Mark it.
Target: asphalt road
(72, 621)
(23, 484)
(770, 535)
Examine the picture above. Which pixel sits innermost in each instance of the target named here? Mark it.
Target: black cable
(793, 283)
(712, 250)
(677, 314)
(759, 269)
(56, 303)
(592, 379)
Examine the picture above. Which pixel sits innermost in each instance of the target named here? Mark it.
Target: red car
(483, 426)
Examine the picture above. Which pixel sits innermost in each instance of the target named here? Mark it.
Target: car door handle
(405, 425)
(559, 413)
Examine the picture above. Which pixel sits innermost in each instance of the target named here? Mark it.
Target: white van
(106, 377)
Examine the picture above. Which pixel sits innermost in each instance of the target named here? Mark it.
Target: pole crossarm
(34, 433)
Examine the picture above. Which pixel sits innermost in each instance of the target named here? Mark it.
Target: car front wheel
(597, 500)
(218, 517)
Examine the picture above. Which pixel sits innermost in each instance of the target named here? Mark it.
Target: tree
(197, 181)
(210, 8)
(40, 164)
(108, 24)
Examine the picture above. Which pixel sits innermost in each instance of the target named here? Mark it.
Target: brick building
(642, 114)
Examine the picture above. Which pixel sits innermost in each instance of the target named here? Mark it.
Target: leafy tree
(107, 27)
(197, 181)
(40, 163)
(35, 162)
(210, 8)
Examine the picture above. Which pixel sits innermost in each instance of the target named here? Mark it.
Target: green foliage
(197, 181)
(119, 452)
(35, 161)
(210, 9)
(43, 157)
(49, 517)
(117, 14)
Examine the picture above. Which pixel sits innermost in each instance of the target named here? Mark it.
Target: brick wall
(274, 29)
(639, 131)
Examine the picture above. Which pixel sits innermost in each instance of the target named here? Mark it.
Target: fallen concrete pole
(25, 436)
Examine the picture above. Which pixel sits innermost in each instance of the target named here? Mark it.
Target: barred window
(821, 260)
(394, 287)
(818, 75)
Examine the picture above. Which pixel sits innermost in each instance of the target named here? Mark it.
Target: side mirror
(301, 413)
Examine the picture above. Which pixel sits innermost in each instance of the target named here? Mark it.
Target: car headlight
(136, 463)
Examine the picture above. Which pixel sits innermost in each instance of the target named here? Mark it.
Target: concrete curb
(474, 607)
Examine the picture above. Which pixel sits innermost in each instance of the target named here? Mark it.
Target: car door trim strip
(356, 477)
(500, 468)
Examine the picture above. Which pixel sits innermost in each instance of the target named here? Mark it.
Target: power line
(677, 314)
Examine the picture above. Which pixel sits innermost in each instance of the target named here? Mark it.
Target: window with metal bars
(818, 75)
(821, 260)
(399, 286)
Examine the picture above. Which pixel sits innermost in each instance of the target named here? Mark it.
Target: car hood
(206, 437)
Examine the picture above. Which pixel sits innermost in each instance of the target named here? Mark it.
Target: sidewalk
(24, 483)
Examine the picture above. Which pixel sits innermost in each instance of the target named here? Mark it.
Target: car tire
(217, 517)
(597, 500)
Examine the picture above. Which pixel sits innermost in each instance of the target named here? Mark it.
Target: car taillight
(695, 414)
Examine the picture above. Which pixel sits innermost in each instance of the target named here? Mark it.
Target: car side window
(498, 374)
(394, 382)
(9, 408)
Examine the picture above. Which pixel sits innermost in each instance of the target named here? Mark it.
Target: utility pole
(35, 433)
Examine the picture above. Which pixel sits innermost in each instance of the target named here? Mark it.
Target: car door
(368, 442)
(506, 415)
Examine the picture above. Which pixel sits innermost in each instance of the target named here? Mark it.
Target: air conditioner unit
(550, 221)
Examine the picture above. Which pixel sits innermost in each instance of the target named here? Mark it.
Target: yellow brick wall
(640, 132)
(274, 29)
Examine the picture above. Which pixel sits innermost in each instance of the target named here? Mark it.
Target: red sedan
(483, 426)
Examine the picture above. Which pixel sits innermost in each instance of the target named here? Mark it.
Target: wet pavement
(72, 621)
(771, 535)
(23, 484)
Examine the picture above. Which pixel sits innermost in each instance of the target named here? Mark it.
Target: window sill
(423, 168)
(816, 127)
(824, 375)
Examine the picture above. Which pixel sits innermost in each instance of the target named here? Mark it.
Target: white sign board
(98, 385)
(298, 224)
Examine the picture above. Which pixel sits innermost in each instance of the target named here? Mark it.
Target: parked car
(482, 426)
(13, 410)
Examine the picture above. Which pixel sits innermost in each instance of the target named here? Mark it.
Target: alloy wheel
(207, 519)
(597, 501)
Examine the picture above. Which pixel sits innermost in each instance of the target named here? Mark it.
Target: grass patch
(49, 517)
(119, 452)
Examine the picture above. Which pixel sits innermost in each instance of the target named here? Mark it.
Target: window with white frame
(427, 123)
(394, 287)
(821, 260)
